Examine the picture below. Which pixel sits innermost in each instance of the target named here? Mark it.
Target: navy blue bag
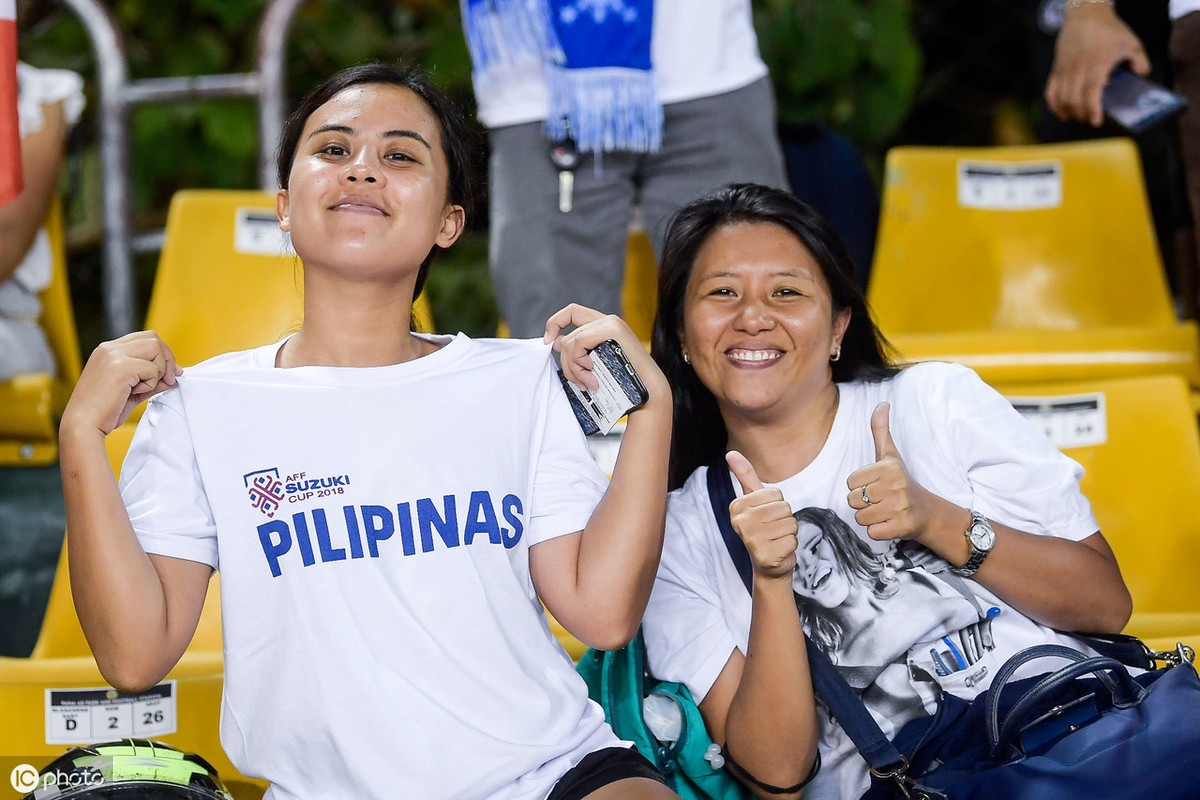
(1087, 731)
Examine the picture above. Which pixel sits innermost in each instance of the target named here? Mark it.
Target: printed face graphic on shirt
(819, 577)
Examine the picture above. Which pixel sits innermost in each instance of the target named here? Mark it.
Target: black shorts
(601, 768)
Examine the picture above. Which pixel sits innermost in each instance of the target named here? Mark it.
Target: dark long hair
(699, 435)
(458, 141)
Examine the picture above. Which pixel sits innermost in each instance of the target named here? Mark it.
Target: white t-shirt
(698, 48)
(1181, 7)
(372, 527)
(959, 439)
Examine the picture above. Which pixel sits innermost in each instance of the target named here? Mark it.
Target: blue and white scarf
(596, 55)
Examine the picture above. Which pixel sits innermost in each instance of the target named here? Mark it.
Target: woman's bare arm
(1026, 570)
(138, 612)
(597, 582)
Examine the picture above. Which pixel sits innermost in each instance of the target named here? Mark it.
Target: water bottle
(663, 717)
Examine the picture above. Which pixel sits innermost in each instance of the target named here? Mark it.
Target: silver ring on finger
(865, 499)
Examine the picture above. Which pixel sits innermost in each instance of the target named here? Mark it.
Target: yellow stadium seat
(575, 648)
(1138, 442)
(1027, 263)
(227, 279)
(33, 403)
(639, 292)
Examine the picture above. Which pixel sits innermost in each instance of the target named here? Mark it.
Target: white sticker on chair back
(1002, 186)
(1077, 420)
(256, 232)
(78, 716)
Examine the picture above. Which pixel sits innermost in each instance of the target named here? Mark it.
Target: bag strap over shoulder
(720, 495)
(1129, 650)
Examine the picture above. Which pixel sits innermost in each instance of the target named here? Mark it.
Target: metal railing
(118, 94)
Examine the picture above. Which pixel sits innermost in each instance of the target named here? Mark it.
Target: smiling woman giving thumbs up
(916, 527)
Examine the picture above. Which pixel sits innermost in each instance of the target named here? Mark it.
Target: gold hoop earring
(837, 354)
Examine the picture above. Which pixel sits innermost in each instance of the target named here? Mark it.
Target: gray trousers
(542, 259)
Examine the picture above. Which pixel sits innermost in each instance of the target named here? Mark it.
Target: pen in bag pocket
(958, 656)
(985, 629)
(969, 636)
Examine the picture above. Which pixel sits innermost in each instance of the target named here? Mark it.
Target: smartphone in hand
(1136, 103)
(620, 390)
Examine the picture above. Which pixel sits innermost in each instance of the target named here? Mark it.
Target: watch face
(982, 536)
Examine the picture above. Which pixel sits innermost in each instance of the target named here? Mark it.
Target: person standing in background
(596, 108)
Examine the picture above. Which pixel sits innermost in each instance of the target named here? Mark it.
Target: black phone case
(1138, 104)
(610, 365)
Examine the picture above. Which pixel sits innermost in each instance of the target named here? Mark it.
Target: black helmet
(129, 769)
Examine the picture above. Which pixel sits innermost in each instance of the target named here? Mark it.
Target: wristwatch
(982, 539)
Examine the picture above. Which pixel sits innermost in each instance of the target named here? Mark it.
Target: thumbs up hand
(888, 502)
(881, 431)
(764, 521)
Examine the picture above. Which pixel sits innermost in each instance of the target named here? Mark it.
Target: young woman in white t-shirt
(780, 376)
(374, 166)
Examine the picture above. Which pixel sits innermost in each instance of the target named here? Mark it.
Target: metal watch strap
(973, 563)
(977, 556)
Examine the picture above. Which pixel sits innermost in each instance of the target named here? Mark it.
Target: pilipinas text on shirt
(363, 529)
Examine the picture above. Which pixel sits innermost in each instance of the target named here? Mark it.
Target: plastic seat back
(58, 313)
(1137, 439)
(1048, 236)
(639, 292)
(33, 403)
(61, 635)
(227, 278)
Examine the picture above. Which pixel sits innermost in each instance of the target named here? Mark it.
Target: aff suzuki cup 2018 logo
(268, 490)
(265, 489)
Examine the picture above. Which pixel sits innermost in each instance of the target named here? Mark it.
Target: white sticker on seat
(1076, 420)
(79, 716)
(1000, 186)
(256, 232)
